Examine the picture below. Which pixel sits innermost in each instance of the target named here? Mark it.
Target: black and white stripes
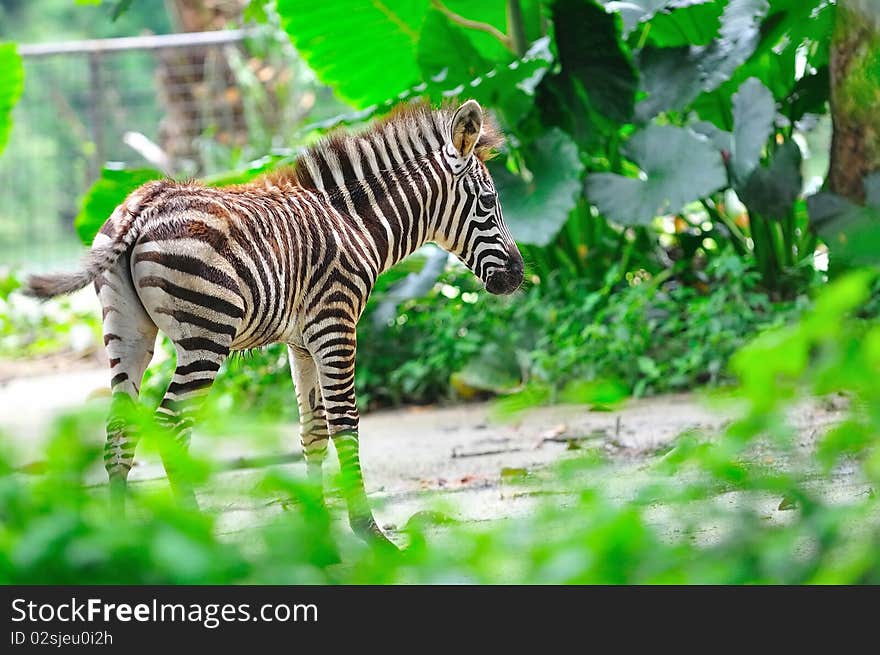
(290, 258)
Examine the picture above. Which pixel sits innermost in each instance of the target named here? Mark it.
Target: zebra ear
(467, 121)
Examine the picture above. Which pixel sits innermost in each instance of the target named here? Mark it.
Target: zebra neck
(396, 211)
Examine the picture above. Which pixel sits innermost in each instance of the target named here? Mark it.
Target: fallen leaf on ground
(508, 473)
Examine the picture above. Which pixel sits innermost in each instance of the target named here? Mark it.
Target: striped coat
(292, 258)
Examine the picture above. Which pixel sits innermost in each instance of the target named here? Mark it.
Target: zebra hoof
(185, 497)
(369, 532)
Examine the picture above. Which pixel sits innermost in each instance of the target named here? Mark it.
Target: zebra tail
(48, 285)
(123, 224)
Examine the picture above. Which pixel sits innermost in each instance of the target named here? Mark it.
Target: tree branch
(473, 24)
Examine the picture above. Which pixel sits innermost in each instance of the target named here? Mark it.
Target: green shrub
(29, 328)
(649, 334)
(698, 514)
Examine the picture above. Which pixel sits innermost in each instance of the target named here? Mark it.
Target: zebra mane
(412, 129)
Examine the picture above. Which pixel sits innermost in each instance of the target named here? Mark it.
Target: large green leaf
(686, 25)
(737, 39)
(793, 31)
(487, 13)
(375, 53)
(670, 80)
(508, 88)
(633, 12)
(537, 208)
(11, 84)
(673, 77)
(365, 50)
(444, 50)
(804, 25)
(754, 111)
(594, 58)
(851, 231)
(105, 194)
(772, 191)
(679, 166)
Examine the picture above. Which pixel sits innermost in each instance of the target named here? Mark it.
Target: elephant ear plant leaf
(105, 194)
(596, 64)
(686, 23)
(636, 12)
(444, 51)
(536, 208)
(376, 54)
(771, 191)
(677, 166)
(737, 39)
(366, 51)
(851, 231)
(777, 220)
(674, 77)
(754, 111)
(508, 87)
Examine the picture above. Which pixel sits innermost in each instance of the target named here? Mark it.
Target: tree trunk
(204, 15)
(199, 89)
(855, 96)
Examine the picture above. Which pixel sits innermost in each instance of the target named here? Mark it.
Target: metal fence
(173, 102)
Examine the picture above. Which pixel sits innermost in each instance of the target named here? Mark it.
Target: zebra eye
(487, 198)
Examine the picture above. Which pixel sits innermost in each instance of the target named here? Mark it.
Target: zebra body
(289, 258)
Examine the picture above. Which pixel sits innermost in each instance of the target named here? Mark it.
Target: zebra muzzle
(504, 281)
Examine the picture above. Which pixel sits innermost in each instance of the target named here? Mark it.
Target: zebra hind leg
(189, 290)
(129, 337)
(198, 361)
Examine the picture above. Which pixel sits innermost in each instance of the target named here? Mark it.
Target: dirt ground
(420, 458)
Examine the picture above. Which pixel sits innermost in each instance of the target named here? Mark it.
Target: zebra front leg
(360, 516)
(335, 362)
(313, 433)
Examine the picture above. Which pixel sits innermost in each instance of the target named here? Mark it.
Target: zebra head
(475, 231)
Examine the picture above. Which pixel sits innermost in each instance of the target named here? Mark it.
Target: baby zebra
(289, 258)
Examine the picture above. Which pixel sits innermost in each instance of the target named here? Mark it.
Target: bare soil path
(414, 459)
